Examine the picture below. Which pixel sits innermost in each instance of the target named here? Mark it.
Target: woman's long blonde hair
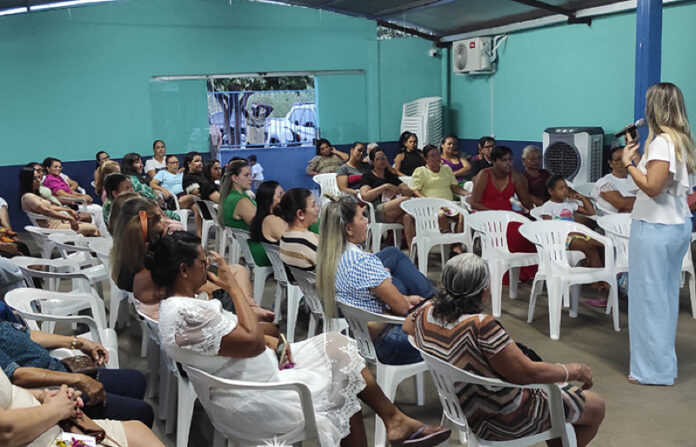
(333, 239)
(234, 167)
(666, 114)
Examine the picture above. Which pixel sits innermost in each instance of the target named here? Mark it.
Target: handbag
(86, 426)
(81, 364)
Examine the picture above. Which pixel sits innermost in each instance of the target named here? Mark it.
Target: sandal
(635, 381)
(420, 439)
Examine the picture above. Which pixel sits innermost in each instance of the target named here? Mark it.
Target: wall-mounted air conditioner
(472, 55)
(574, 152)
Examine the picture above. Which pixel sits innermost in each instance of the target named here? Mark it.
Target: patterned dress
(494, 413)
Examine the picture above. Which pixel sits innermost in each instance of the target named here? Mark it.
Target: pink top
(55, 183)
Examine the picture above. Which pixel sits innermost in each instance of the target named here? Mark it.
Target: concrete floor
(636, 415)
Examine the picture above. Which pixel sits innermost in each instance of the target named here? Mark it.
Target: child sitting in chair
(563, 205)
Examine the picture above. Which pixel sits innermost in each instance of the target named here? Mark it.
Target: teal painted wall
(80, 79)
(568, 76)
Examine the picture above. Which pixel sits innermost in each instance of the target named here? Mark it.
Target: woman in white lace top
(200, 334)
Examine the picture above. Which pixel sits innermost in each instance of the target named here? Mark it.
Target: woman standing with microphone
(660, 234)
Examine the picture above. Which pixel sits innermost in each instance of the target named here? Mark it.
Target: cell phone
(418, 305)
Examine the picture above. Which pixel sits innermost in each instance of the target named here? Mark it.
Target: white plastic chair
(550, 236)
(259, 273)
(388, 377)
(428, 235)
(293, 294)
(207, 385)
(40, 235)
(26, 301)
(375, 229)
(102, 248)
(327, 185)
(74, 247)
(306, 281)
(206, 207)
(449, 380)
(406, 180)
(491, 226)
(618, 228)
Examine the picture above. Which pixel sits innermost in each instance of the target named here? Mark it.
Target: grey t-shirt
(354, 174)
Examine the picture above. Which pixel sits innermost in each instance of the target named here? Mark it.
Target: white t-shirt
(154, 165)
(257, 172)
(624, 186)
(560, 211)
(669, 207)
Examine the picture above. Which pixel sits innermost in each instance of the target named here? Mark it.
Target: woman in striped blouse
(453, 328)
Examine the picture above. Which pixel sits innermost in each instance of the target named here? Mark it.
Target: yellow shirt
(434, 184)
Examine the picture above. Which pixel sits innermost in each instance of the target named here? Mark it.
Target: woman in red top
(493, 188)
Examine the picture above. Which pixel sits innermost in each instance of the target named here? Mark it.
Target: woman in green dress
(237, 209)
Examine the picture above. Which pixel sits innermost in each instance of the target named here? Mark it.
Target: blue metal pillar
(648, 51)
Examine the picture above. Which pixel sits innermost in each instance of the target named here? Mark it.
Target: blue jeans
(125, 389)
(405, 275)
(392, 347)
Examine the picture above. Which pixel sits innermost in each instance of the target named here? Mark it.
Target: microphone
(632, 128)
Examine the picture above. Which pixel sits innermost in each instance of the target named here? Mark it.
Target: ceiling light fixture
(9, 12)
(65, 4)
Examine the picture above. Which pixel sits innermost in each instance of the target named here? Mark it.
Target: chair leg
(172, 398)
(376, 241)
(186, 400)
(537, 287)
(278, 299)
(514, 277)
(555, 300)
(692, 293)
(312, 329)
(614, 299)
(386, 382)
(420, 389)
(574, 292)
(259, 283)
(423, 259)
(496, 287)
(397, 239)
(294, 297)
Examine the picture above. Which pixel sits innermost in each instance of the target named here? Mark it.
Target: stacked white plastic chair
(424, 118)
(618, 228)
(550, 237)
(388, 377)
(491, 226)
(41, 234)
(425, 212)
(375, 229)
(26, 300)
(306, 281)
(207, 385)
(448, 381)
(293, 294)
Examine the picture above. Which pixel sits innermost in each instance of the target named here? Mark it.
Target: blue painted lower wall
(285, 165)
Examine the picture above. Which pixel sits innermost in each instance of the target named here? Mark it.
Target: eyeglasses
(380, 158)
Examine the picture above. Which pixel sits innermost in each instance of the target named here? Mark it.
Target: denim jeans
(405, 275)
(392, 347)
(125, 389)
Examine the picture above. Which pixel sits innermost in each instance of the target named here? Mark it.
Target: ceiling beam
(407, 7)
(412, 31)
(556, 9)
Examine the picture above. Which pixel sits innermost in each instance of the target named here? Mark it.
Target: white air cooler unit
(472, 55)
(574, 152)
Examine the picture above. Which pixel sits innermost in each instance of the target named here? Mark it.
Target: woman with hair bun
(453, 328)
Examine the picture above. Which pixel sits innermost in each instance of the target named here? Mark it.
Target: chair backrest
(357, 320)
(57, 269)
(492, 226)
(243, 237)
(584, 188)
(327, 184)
(536, 213)
(468, 186)
(69, 243)
(448, 380)
(207, 386)
(273, 253)
(618, 228)
(27, 302)
(550, 236)
(370, 209)
(306, 281)
(206, 209)
(425, 211)
(406, 180)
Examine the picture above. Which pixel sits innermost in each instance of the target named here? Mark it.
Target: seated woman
(386, 192)
(10, 245)
(199, 183)
(158, 161)
(409, 157)
(266, 226)
(493, 189)
(237, 209)
(57, 216)
(383, 282)
(60, 188)
(453, 328)
(30, 418)
(536, 176)
(132, 167)
(460, 166)
(202, 335)
(298, 244)
(171, 180)
(437, 180)
(327, 160)
(101, 157)
(106, 168)
(349, 173)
